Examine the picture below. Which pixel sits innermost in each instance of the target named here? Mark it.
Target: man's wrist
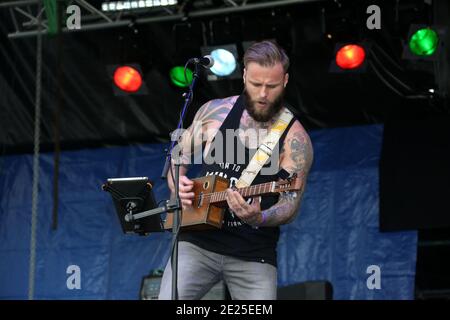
(263, 218)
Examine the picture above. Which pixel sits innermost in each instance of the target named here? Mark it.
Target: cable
(190, 94)
(388, 57)
(384, 80)
(389, 73)
(181, 116)
(37, 133)
(181, 215)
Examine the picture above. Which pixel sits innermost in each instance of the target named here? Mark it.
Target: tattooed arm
(206, 121)
(296, 157)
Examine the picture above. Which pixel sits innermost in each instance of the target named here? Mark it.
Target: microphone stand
(176, 202)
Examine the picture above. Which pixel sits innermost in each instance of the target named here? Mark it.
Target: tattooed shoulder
(217, 109)
(297, 150)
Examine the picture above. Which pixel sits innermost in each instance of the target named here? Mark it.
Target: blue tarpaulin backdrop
(334, 238)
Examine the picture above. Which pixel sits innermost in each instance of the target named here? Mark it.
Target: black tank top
(237, 238)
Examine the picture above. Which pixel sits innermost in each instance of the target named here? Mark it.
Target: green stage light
(424, 42)
(177, 76)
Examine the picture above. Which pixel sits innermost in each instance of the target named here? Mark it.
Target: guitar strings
(208, 195)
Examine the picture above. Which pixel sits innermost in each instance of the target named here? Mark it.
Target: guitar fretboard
(251, 191)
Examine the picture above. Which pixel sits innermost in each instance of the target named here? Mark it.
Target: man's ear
(286, 79)
(244, 75)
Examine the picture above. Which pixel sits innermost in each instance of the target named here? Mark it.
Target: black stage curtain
(415, 174)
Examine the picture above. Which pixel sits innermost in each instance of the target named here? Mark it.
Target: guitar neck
(251, 191)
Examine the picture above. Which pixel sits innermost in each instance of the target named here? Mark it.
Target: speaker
(309, 290)
(151, 284)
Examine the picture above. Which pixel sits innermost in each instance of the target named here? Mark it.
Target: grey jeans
(199, 270)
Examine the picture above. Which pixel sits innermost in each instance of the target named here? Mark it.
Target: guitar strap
(265, 149)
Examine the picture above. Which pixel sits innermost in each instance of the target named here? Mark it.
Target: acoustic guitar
(209, 203)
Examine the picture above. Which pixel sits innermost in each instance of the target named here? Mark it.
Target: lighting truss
(94, 16)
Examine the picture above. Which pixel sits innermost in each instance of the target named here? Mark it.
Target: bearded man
(242, 252)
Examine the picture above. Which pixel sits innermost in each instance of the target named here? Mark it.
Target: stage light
(350, 56)
(177, 76)
(136, 4)
(424, 42)
(127, 78)
(225, 62)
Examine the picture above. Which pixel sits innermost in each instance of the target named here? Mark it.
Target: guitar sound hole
(206, 185)
(200, 200)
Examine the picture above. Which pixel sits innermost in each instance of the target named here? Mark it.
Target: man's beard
(268, 113)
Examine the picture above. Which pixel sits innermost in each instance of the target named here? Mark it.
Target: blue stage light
(224, 62)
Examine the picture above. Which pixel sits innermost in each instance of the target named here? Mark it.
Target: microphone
(206, 61)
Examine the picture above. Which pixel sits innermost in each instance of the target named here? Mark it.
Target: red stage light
(127, 78)
(350, 56)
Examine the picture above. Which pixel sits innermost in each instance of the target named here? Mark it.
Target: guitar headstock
(291, 184)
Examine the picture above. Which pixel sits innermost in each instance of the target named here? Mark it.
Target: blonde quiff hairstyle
(267, 54)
